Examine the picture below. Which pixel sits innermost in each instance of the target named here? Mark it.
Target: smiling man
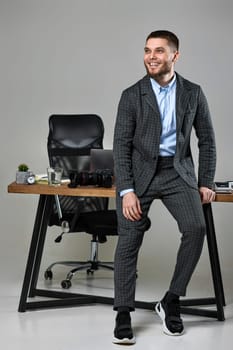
(153, 160)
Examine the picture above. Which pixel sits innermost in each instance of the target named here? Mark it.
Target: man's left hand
(207, 195)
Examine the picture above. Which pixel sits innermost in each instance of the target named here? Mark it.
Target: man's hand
(207, 195)
(131, 207)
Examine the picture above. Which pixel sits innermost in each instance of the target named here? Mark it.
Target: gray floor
(88, 327)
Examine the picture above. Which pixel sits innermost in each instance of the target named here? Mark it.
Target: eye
(146, 50)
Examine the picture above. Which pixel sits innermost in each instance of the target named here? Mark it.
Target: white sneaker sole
(160, 311)
(124, 341)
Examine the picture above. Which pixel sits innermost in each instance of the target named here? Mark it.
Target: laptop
(224, 187)
(101, 159)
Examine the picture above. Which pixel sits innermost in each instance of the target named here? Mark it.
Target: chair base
(90, 266)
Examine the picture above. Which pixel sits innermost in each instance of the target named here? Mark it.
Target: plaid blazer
(137, 136)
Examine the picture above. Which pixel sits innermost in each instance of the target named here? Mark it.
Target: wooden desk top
(82, 191)
(224, 197)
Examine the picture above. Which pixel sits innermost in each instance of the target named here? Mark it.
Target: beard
(157, 74)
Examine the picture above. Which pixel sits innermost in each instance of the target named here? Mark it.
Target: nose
(152, 55)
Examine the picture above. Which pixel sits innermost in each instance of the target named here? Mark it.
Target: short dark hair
(165, 34)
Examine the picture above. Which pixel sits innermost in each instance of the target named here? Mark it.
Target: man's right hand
(131, 207)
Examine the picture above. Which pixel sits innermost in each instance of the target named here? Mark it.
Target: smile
(153, 64)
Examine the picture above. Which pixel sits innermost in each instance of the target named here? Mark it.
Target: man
(153, 160)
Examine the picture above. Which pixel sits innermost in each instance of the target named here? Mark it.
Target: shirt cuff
(122, 193)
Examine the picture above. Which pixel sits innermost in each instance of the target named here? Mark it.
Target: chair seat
(102, 222)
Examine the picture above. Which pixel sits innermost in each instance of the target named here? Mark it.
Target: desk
(57, 299)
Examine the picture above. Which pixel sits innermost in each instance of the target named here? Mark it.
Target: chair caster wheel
(66, 284)
(48, 275)
(90, 271)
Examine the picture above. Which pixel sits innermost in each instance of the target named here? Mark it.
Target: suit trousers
(184, 204)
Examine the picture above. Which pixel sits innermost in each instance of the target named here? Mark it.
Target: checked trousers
(184, 204)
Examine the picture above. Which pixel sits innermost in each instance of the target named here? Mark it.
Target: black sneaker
(169, 312)
(123, 333)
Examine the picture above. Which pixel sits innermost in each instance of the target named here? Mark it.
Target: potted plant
(22, 174)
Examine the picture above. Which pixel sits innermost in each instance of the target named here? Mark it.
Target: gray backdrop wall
(73, 56)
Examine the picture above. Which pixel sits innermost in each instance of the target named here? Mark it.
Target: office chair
(70, 139)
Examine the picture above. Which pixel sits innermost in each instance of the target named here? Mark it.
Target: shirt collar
(158, 87)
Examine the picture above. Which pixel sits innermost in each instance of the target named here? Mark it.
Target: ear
(176, 56)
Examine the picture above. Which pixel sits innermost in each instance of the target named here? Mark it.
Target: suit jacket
(137, 136)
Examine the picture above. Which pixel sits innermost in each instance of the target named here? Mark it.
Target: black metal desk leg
(31, 256)
(214, 261)
(44, 219)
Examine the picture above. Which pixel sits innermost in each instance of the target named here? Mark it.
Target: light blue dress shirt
(166, 98)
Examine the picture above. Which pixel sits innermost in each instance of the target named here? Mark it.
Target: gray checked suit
(171, 179)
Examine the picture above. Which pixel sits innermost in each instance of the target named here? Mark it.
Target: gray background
(70, 56)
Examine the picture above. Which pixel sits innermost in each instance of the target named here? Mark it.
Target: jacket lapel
(183, 94)
(148, 95)
(182, 98)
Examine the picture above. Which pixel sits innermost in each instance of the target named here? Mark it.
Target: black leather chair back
(70, 139)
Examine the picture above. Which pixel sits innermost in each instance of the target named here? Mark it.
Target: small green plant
(23, 167)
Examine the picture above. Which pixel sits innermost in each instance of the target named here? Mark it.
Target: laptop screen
(101, 159)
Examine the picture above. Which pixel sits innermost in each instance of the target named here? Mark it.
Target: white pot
(21, 177)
